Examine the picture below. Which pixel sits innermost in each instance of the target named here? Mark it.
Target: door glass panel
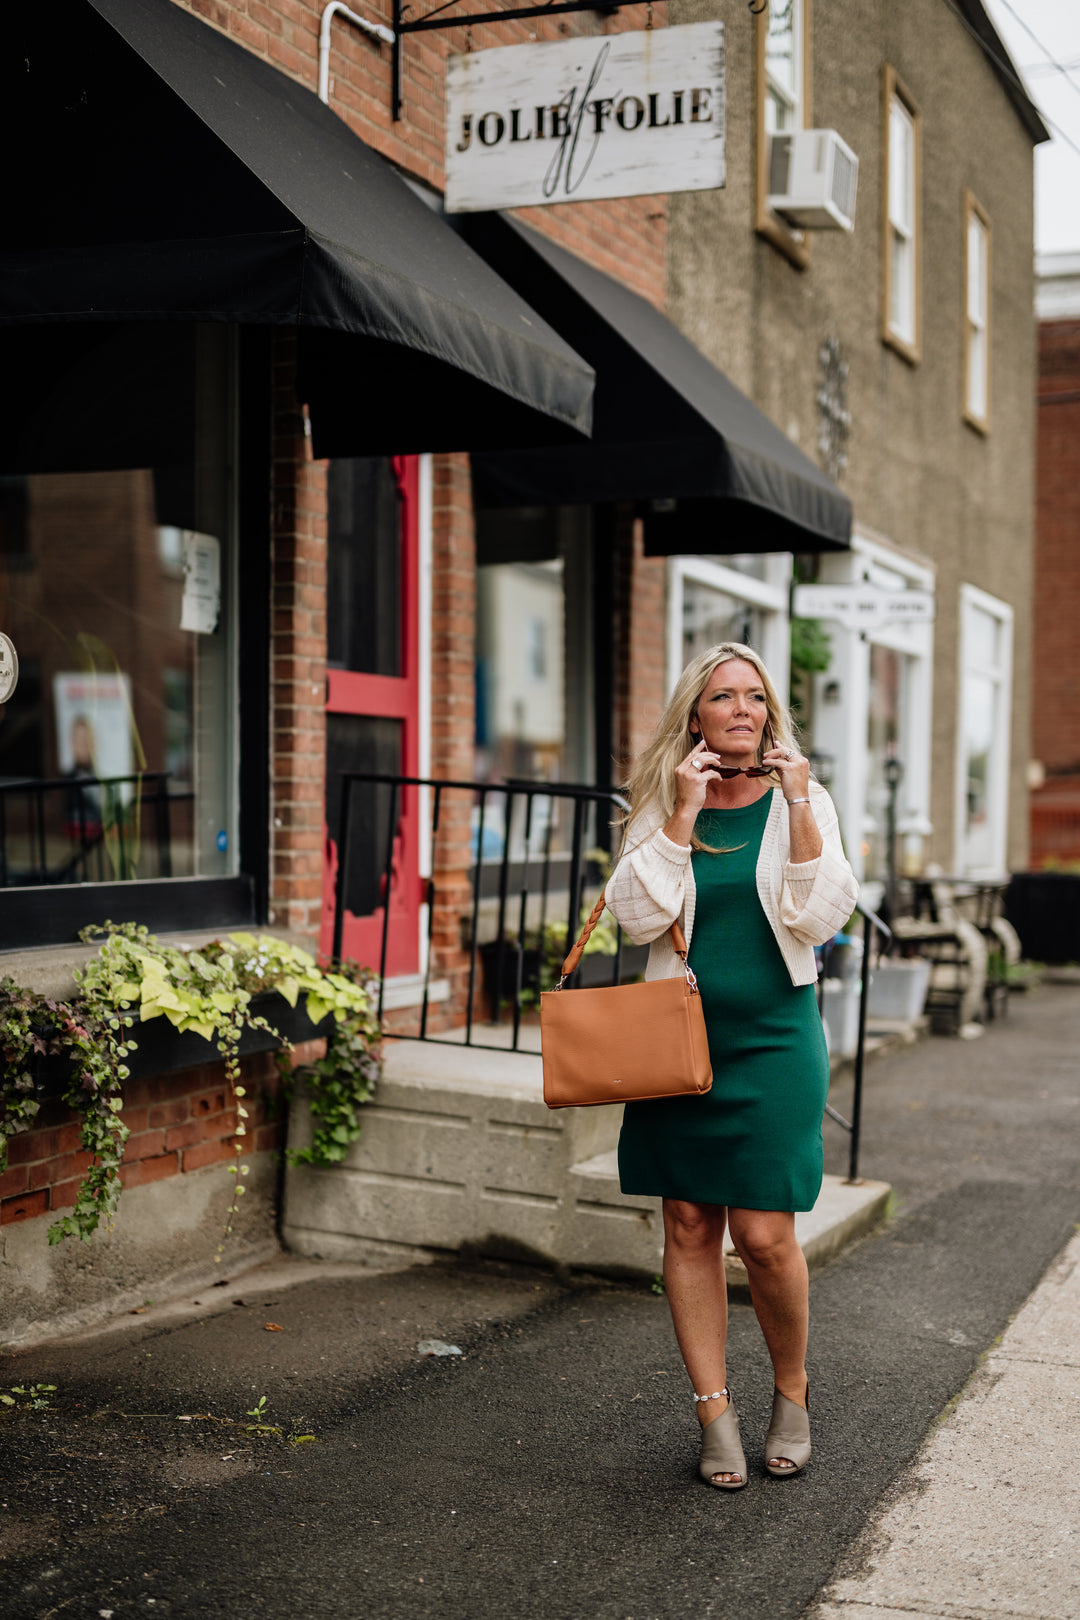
(882, 736)
(357, 742)
(980, 707)
(363, 607)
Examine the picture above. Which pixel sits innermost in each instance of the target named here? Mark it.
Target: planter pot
(840, 1015)
(898, 990)
(597, 969)
(1044, 908)
(500, 977)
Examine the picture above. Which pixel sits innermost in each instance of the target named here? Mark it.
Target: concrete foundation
(460, 1154)
(163, 1238)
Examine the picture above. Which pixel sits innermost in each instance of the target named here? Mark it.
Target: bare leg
(697, 1296)
(779, 1286)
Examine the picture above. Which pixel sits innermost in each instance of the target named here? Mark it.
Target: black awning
(709, 470)
(157, 170)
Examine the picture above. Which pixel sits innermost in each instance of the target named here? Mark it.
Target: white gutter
(376, 30)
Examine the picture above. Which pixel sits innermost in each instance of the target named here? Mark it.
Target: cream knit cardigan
(806, 904)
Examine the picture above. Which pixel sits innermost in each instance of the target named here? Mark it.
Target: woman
(729, 834)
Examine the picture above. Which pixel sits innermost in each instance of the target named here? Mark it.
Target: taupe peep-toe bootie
(721, 1448)
(788, 1436)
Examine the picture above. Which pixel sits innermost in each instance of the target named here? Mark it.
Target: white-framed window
(739, 598)
(982, 766)
(783, 42)
(901, 248)
(875, 701)
(784, 83)
(976, 314)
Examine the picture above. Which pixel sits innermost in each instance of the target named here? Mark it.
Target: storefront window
(536, 685)
(986, 651)
(117, 748)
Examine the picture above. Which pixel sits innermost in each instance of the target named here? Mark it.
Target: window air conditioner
(812, 180)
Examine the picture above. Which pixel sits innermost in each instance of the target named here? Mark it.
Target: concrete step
(843, 1212)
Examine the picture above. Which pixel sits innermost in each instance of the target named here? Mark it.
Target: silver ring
(789, 753)
(697, 764)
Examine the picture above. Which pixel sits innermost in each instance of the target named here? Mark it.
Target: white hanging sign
(618, 115)
(200, 607)
(863, 606)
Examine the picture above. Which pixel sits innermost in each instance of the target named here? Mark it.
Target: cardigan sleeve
(646, 891)
(817, 897)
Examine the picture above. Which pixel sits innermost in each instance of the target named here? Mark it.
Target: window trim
(893, 87)
(973, 209)
(793, 245)
(997, 787)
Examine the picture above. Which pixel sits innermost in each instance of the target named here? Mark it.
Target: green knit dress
(754, 1140)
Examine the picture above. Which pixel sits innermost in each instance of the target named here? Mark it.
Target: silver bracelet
(796, 801)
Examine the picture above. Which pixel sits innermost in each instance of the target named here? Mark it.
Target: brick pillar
(640, 620)
(453, 697)
(298, 659)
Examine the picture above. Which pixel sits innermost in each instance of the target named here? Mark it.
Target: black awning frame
(708, 470)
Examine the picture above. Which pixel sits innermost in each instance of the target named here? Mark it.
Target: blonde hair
(652, 779)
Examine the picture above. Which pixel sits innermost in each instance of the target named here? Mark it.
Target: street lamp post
(894, 775)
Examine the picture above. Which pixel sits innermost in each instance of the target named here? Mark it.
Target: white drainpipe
(376, 30)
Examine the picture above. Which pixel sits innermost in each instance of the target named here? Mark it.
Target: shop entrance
(372, 705)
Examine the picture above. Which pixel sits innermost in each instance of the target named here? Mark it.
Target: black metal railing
(529, 856)
(526, 861)
(872, 924)
(83, 829)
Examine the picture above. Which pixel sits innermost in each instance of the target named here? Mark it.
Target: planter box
(163, 1050)
(1044, 908)
(898, 990)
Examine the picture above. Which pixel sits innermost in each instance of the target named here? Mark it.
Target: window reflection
(116, 746)
(711, 616)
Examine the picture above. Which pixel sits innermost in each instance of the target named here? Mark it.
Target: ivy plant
(134, 977)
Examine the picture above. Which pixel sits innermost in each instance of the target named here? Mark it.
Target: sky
(1055, 90)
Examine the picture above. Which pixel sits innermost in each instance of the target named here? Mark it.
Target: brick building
(1055, 712)
(356, 431)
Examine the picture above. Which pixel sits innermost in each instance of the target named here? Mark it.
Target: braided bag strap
(678, 940)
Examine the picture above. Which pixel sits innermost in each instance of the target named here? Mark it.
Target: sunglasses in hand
(728, 771)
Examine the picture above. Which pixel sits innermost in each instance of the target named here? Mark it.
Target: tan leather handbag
(624, 1042)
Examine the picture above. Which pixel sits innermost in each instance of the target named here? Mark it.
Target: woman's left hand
(792, 768)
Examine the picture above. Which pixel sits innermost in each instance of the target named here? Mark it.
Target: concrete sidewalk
(986, 1522)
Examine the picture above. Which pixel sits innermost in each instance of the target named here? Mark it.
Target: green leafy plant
(34, 1396)
(133, 978)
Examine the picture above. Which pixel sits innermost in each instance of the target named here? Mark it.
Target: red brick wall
(298, 659)
(178, 1122)
(1056, 650)
(640, 589)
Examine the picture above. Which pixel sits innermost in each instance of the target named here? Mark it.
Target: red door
(372, 706)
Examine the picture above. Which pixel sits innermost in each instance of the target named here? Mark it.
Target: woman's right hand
(692, 778)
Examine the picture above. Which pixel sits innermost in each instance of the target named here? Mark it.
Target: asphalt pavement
(550, 1469)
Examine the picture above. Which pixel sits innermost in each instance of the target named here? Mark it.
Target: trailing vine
(134, 978)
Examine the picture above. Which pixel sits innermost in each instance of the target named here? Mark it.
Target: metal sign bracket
(436, 19)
